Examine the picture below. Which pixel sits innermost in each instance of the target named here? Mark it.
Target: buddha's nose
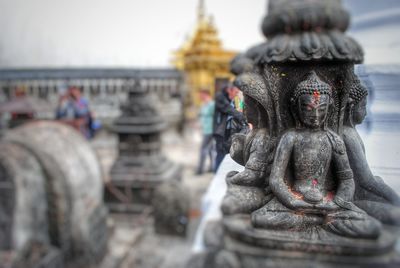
(315, 112)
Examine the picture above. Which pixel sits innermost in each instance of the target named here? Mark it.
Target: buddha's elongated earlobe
(325, 126)
(351, 112)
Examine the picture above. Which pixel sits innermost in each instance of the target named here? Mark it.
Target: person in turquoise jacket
(206, 121)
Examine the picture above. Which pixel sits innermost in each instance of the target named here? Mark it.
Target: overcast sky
(138, 33)
(144, 33)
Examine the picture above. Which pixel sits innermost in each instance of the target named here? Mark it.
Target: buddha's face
(313, 109)
(360, 111)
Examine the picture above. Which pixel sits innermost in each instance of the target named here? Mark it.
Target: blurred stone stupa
(141, 166)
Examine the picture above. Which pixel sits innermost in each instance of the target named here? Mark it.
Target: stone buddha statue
(254, 150)
(311, 178)
(316, 204)
(371, 193)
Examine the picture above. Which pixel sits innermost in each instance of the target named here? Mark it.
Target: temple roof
(204, 46)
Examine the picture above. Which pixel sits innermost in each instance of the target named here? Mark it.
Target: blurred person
(206, 120)
(74, 110)
(239, 102)
(94, 124)
(227, 121)
(20, 92)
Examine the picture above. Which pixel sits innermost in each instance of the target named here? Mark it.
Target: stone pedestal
(141, 166)
(239, 254)
(234, 243)
(272, 248)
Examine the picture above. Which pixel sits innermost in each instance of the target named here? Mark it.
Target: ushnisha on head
(310, 102)
(357, 105)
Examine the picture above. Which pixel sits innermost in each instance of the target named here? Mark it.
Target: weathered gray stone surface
(23, 204)
(307, 192)
(64, 181)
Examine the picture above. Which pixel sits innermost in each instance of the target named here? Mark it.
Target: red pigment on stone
(316, 96)
(330, 196)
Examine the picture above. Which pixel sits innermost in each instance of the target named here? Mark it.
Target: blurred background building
(203, 58)
(376, 26)
(106, 89)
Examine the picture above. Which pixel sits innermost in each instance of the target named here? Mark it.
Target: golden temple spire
(201, 10)
(203, 58)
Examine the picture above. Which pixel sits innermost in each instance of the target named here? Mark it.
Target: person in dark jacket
(226, 121)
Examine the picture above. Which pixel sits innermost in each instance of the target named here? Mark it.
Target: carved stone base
(133, 183)
(315, 248)
(314, 240)
(244, 256)
(243, 246)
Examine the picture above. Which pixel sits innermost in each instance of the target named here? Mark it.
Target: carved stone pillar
(141, 166)
(306, 197)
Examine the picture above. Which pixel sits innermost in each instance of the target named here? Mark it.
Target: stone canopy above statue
(308, 30)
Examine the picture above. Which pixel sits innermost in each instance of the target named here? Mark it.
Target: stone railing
(106, 89)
